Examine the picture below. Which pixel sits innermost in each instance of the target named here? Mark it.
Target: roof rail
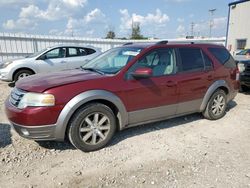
(128, 43)
(162, 42)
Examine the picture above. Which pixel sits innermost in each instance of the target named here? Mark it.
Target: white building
(238, 28)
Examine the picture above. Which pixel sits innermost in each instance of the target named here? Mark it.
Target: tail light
(237, 74)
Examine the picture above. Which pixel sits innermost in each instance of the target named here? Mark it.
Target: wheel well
(112, 106)
(224, 89)
(24, 68)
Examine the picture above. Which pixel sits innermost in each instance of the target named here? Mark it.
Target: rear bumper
(36, 132)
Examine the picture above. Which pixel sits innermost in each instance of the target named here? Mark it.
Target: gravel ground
(183, 152)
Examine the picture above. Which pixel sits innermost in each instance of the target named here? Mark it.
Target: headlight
(5, 64)
(36, 99)
(241, 67)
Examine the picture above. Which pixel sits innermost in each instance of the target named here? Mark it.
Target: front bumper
(245, 79)
(36, 132)
(5, 75)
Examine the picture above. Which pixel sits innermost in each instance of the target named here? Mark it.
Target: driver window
(161, 61)
(56, 53)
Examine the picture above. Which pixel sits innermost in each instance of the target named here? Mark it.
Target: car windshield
(37, 53)
(113, 60)
(244, 52)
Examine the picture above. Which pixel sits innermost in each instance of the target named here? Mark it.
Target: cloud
(19, 24)
(180, 29)
(15, 2)
(84, 26)
(156, 20)
(57, 9)
(96, 16)
(75, 3)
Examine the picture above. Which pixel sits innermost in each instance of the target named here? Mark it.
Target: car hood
(41, 82)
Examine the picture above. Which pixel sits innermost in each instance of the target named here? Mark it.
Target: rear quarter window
(223, 56)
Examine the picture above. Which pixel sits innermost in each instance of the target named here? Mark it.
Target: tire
(88, 131)
(22, 74)
(216, 106)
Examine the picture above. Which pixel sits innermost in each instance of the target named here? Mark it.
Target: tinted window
(162, 62)
(89, 51)
(221, 54)
(208, 62)
(72, 52)
(191, 59)
(82, 52)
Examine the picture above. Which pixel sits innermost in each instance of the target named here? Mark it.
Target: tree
(136, 31)
(110, 35)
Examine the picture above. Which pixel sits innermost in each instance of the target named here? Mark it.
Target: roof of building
(238, 2)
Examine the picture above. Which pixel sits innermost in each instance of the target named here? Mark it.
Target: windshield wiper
(93, 70)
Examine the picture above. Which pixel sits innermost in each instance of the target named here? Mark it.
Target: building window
(241, 44)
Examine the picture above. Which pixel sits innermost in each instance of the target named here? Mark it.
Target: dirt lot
(183, 152)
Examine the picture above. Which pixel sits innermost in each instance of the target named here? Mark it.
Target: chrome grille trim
(15, 96)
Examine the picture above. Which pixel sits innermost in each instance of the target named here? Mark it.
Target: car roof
(72, 45)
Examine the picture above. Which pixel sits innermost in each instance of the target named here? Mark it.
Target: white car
(56, 58)
(242, 55)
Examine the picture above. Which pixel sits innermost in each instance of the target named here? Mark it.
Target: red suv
(124, 87)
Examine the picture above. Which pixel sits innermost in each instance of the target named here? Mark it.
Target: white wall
(19, 45)
(239, 25)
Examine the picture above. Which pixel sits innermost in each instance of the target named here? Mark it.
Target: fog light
(25, 132)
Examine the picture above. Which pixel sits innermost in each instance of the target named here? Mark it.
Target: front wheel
(22, 74)
(216, 106)
(92, 127)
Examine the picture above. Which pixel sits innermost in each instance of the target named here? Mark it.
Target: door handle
(210, 77)
(63, 61)
(171, 84)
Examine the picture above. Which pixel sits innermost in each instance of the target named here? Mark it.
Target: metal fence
(20, 45)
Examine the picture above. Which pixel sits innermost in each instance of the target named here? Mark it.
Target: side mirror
(43, 57)
(143, 73)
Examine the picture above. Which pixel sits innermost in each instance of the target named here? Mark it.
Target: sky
(94, 18)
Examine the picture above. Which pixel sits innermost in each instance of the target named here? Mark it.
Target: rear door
(195, 75)
(77, 57)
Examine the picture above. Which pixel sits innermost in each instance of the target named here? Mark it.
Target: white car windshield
(113, 60)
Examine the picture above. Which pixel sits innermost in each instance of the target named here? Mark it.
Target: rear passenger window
(89, 51)
(223, 56)
(192, 59)
(72, 52)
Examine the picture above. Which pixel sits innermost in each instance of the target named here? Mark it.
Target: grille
(16, 96)
(247, 69)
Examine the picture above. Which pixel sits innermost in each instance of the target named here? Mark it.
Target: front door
(155, 97)
(53, 60)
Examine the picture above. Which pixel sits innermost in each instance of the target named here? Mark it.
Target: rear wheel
(22, 74)
(216, 106)
(92, 127)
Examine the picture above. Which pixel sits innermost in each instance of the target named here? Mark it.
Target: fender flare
(217, 84)
(84, 98)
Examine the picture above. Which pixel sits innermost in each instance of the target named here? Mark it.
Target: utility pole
(192, 29)
(211, 22)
